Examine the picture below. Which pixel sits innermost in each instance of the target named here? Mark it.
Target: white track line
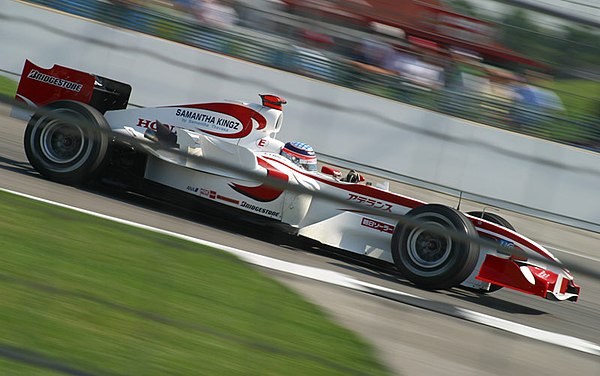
(343, 280)
(559, 250)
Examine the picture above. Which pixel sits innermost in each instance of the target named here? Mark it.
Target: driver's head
(301, 154)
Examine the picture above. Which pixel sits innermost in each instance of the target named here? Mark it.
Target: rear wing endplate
(39, 86)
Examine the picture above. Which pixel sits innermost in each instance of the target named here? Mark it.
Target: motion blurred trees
(570, 50)
(464, 7)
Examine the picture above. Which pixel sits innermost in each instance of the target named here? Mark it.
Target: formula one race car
(81, 128)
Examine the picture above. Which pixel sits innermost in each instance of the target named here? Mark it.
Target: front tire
(67, 141)
(427, 254)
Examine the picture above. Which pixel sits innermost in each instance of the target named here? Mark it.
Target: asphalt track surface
(411, 340)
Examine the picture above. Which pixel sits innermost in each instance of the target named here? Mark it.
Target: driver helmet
(301, 154)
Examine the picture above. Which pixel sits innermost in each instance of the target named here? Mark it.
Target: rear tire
(430, 257)
(494, 218)
(67, 141)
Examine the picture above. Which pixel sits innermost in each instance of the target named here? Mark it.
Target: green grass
(580, 97)
(9, 368)
(106, 298)
(8, 87)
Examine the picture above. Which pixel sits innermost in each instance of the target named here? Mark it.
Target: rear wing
(39, 86)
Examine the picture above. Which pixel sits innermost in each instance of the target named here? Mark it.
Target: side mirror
(331, 171)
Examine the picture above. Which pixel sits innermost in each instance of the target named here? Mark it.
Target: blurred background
(528, 66)
(116, 301)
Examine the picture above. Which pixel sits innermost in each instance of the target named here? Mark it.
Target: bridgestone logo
(59, 82)
(258, 209)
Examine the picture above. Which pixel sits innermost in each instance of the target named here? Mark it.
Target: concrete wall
(341, 123)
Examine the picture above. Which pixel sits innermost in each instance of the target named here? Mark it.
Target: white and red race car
(81, 128)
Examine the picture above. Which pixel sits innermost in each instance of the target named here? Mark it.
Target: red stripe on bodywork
(515, 237)
(365, 190)
(263, 192)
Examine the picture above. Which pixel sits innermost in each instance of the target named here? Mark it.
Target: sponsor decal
(192, 189)
(543, 274)
(367, 201)
(39, 86)
(258, 209)
(213, 195)
(506, 243)
(145, 123)
(261, 143)
(228, 199)
(379, 226)
(34, 74)
(216, 122)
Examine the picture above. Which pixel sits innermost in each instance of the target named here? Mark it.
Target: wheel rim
(62, 146)
(429, 249)
(62, 143)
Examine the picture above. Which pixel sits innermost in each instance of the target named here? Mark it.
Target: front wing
(527, 278)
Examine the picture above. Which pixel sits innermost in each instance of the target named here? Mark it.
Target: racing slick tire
(427, 255)
(67, 141)
(494, 218)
